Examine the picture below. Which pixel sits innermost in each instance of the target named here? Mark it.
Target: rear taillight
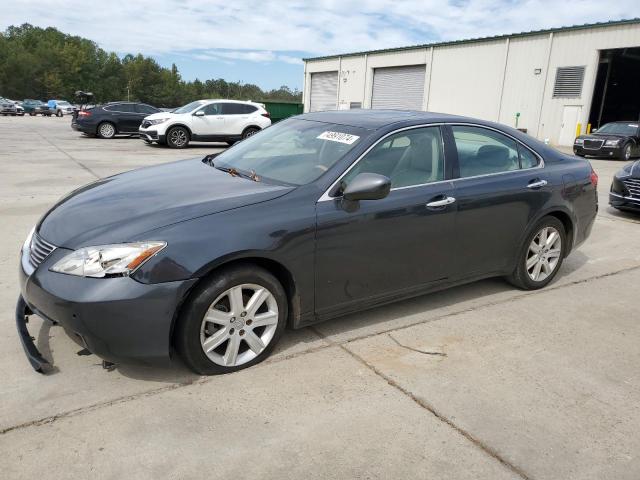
(594, 178)
(84, 113)
(266, 114)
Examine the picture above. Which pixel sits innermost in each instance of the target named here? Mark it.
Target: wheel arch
(565, 218)
(250, 126)
(183, 125)
(115, 126)
(276, 268)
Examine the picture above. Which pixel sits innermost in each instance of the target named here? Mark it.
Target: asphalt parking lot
(481, 381)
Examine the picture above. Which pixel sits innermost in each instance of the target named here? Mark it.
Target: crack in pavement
(328, 344)
(395, 340)
(431, 409)
(77, 162)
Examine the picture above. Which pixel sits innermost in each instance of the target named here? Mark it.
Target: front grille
(39, 250)
(593, 144)
(633, 185)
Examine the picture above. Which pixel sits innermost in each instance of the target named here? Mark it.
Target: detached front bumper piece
(37, 361)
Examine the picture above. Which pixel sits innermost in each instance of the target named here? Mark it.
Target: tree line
(45, 63)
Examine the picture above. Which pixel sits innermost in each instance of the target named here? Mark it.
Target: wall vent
(568, 82)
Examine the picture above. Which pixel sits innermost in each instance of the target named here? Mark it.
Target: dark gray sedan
(315, 217)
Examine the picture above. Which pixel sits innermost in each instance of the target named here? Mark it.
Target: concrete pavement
(481, 381)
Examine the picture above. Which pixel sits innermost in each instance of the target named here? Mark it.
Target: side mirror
(367, 186)
(594, 130)
(199, 113)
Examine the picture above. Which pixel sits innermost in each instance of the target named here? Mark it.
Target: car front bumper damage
(118, 319)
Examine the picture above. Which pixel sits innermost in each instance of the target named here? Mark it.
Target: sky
(263, 42)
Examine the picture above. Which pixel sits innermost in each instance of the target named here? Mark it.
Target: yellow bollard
(578, 129)
(588, 128)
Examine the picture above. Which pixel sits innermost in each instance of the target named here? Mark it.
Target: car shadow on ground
(373, 321)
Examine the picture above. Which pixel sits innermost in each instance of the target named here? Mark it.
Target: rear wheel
(232, 321)
(249, 132)
(178, 137)
(59, 113)
(541, 255)
(106, 130)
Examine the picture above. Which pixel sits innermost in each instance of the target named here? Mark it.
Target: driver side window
(408, 158)
(213, 109)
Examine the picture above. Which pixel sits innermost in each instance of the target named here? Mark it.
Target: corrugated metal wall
(493, 79)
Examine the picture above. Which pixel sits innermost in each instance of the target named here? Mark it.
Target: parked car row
(36, 107)
(203, 120)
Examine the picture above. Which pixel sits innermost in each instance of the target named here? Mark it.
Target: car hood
(155, 116)
(121, 208)
(602, 136)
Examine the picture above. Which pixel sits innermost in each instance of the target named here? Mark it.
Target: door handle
(537, 184)
(441, 203)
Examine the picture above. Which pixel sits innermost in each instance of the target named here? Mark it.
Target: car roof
(374, 119)
(246, 102)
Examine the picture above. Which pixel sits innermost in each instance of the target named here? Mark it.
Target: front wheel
(541, 255)
(178, 137)
(232, 321)
(626, 152)
(59, 113)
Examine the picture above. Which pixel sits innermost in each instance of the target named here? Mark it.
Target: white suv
(205, 121)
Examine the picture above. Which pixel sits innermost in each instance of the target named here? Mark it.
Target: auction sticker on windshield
(338, 137)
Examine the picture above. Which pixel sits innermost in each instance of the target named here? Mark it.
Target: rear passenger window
(142, 108)
(120, 107)
(482, 151)
(412, 157)
(232, 108)
(527, 158)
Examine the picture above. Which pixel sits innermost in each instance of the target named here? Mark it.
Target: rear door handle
(537, 184)
(441, 203)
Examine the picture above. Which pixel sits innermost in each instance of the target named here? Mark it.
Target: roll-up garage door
(398, 87)
(324, 91)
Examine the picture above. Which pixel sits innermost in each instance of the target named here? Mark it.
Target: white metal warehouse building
(549, 82)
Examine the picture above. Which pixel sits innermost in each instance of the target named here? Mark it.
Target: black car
(317, 216)
(625, 188)
(612, 140)
(110, 119)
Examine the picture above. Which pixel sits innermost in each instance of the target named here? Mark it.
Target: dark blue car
(314, 217)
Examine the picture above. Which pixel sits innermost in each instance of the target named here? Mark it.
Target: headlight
(157, 121)
(612, 143)
(579, 141)
(118, 260)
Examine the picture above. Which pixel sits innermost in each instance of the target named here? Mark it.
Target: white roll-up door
(324, 91)
(398, 87)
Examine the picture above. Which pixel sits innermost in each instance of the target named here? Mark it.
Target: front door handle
(441, 203)
(537, 184)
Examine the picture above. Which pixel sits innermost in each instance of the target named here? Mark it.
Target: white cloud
(269, 31)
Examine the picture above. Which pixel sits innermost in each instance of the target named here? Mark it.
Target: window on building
(568, 82)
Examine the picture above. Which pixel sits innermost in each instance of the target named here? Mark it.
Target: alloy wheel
(627, 152)
(544, 254)
(107, 130)
(239, 325)
(178, 137)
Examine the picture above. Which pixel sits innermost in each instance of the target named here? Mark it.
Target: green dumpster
(281, 110)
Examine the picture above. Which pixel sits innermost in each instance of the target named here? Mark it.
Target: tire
(230, 330)
(106, 130)
(248, 132)
(31, 114)
(525, 278)
(59, 113)
(625, 154)
(178, 137)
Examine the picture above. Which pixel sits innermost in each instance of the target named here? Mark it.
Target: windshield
(63, 104)
(189, 107)
(619, 128)
(293, 151)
